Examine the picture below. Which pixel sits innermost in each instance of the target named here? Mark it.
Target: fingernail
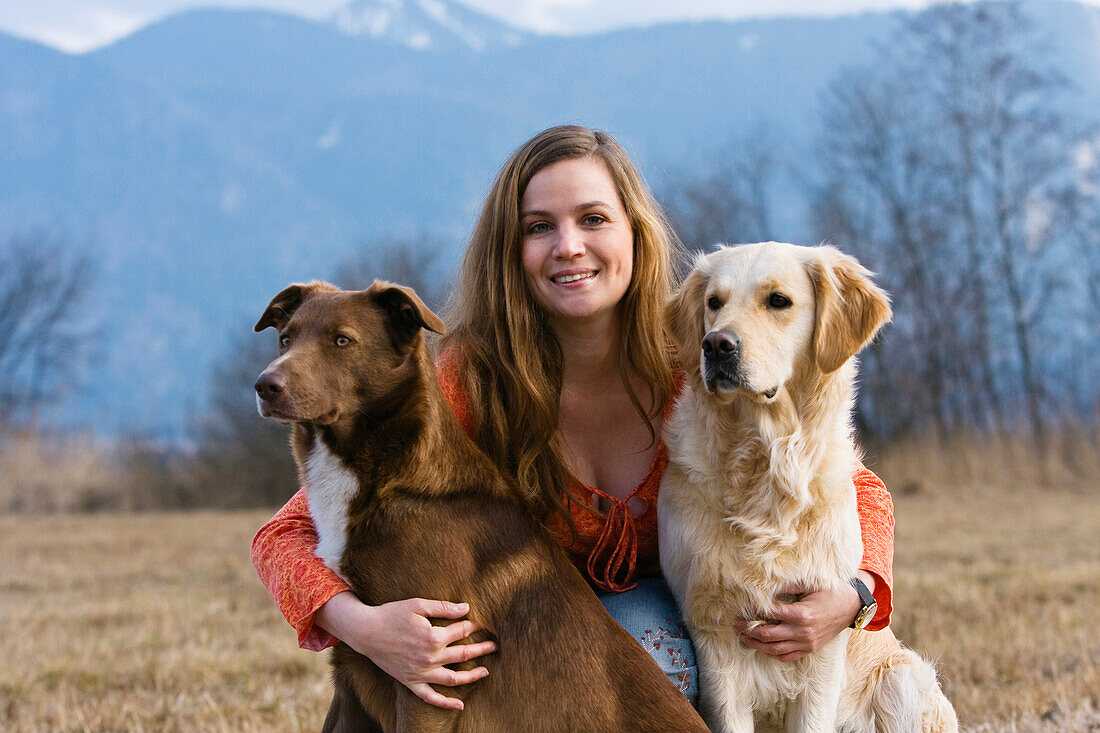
(463, 606)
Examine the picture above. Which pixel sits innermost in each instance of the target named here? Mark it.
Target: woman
(558, 366)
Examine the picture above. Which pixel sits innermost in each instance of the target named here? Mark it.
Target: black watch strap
(870, 606)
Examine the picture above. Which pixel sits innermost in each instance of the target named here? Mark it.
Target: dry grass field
(156, 621)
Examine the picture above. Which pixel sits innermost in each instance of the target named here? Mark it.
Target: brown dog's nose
(270, 385)
(721, 344)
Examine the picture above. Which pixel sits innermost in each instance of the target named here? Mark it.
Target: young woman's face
(578, 247)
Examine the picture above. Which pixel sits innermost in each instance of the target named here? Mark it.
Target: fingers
(448, 678)
(441, 609)
(796, 614)
(771, 633)
(784, 651)
(430, 696)
(771, 648)
(454, 678)
(465, 652)
(745, 625)
(447, 635)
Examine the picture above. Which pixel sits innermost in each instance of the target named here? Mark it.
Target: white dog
(758, 494)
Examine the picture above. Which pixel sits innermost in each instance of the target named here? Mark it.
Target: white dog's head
(748, 317)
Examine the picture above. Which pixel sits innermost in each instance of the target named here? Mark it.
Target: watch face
(864, 616)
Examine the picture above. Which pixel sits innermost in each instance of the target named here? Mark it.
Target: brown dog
(407, 506)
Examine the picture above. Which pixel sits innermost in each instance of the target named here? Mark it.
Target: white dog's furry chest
(753, 513)
(741, 517)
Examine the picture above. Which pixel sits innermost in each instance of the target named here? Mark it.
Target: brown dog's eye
(779, 302)
(342, 341)
(284, 341)
(714, 302)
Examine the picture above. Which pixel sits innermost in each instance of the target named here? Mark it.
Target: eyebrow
(578, 207)
(773, 284)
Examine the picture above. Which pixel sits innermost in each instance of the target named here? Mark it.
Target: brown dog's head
(748, 317)
(339, 351)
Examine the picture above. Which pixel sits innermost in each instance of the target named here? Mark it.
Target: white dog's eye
(778, 301)
(342, 340)
(714, 302)
(284, 341)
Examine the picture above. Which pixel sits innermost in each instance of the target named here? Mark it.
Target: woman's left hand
(796, 629)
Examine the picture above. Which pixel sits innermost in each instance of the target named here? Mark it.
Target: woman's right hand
(399, 637)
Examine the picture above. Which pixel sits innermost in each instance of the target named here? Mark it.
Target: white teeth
(573, 278)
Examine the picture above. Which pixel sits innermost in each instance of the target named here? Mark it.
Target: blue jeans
(649, 614)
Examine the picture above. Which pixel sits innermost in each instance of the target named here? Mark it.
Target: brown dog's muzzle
(271, 385)
(272, 396)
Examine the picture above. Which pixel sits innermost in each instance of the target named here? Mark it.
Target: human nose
(569, 243)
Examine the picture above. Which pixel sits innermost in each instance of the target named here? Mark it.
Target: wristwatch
(870, 605)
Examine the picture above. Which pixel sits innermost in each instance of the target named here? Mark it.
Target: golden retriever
(758, 494)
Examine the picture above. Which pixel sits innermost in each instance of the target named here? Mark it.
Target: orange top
(610, 550)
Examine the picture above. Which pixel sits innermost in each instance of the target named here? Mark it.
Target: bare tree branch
(947, 166)
(42, 289)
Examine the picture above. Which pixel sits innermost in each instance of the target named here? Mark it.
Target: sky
(81, 25)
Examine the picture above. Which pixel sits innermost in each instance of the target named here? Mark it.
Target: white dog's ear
(850, 308)
(685, 318)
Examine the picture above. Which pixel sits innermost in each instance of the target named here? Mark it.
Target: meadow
(156, 621)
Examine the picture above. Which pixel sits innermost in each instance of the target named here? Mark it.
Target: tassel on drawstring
(617, 545)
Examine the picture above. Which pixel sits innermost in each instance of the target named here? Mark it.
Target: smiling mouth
(565, 279)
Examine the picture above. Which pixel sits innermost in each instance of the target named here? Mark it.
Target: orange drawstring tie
(612, 576)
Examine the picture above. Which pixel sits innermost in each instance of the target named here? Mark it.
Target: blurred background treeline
(955, 151)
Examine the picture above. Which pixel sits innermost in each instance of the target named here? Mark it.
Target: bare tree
(949, 163)
(43, 329)
(415, 262)
(1082, 199)
(882, 200)
(731, 200)
(1015, 147)
(242, 460)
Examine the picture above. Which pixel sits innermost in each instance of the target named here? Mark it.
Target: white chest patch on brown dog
(331, 489)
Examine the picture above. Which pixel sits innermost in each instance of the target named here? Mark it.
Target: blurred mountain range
(206, 161)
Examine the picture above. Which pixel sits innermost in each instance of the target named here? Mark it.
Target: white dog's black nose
(722, 345)
(722, 361)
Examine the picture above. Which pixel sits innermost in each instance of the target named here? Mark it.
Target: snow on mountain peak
(425, 24)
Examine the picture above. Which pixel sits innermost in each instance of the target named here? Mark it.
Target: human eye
(538, 227)
(593, 220)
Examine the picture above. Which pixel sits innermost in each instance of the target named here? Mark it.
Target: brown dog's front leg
(416, 716)
(346, 714)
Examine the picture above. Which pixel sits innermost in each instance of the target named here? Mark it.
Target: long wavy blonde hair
(510, 361)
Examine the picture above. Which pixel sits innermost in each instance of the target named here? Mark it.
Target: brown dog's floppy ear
(850, 308)
(685, 318)
(283, 305)
(405, 312)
